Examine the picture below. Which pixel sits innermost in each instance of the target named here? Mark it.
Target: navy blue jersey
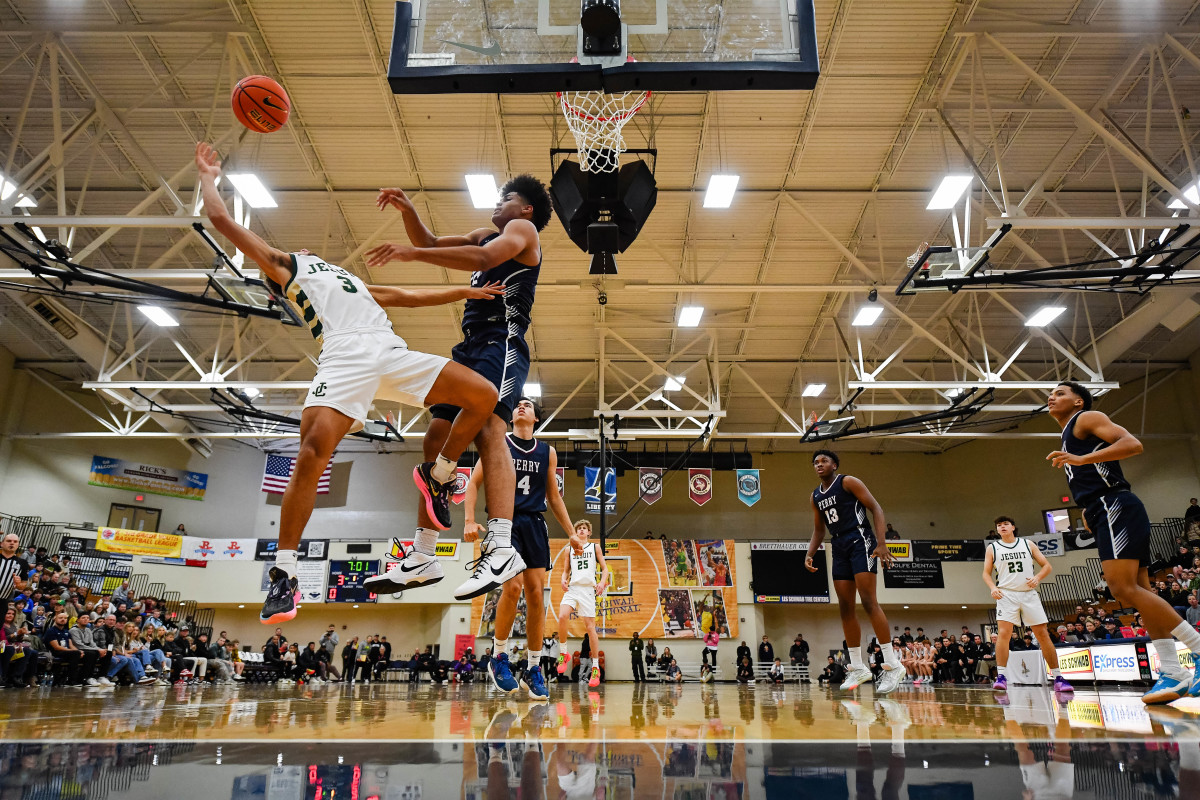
(1089, 482)
(531, 461)
(841, 510)
(519, 282)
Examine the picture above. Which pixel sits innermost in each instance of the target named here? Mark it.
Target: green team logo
(319, 391)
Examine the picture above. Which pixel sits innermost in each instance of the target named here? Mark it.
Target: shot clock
(346, 581)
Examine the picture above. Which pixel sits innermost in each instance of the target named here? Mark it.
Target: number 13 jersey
(840, 510)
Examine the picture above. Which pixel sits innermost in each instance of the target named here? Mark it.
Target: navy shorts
(500, 357)
(854, 553)
(531, 538)
(1121, 527)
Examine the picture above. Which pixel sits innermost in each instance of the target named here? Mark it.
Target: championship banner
(461, 477)
(560, 480)
(201, 549)
(659, 589)
(138, 543)
(309, 549)
(1051, 544)
(591, 491)
(116, 473)
(748, 488)
(700, 485)
(650, 484)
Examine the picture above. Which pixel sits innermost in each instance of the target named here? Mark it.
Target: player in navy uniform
(535, 464)
(493, 345)
(840, 506)
(1092, 447)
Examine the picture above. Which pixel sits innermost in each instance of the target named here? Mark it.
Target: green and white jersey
(583, 565)
(1013, 564)
(332, 300)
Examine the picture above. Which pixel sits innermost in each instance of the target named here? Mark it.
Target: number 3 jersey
(531, 461)
(332, 300)
(840, 510)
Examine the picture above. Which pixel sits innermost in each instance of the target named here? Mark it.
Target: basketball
(260, 104)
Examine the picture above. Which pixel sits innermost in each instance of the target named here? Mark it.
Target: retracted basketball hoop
(596, 120)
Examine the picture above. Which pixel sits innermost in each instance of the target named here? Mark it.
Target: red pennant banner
(560, 477)
(650, 484)
(700, 485)
(461, 477)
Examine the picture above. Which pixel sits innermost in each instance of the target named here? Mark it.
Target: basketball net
(912, 260)
(596, 120)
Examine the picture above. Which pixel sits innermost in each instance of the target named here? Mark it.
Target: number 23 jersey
(332, 300)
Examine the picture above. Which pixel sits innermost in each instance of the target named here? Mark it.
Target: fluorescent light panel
(689, 316)
(483, 189)
(1044, 316)
(7, 187)
(948, 191)
(533, 390)
(252, 190)
(867, 315)
(159, 316)
(813, 390)
(251, 392)
(720, 191)
(675, 384)
(1190, 192)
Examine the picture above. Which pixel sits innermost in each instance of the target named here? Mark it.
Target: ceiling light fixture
(533, 390)
(159, 316)
(948, 191)
(813, 390)
(675, 384)
(252, 190)
(867, 315)
(1191, 193)
(484, 193)
(689, 316)
(1044, 316)
(720, 191)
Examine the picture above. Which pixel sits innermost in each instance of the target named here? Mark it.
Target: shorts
(1121, 527)
(531, 539)
(356, 367)
(500, 356)
(582, 599)
(1016, 606)
(852, 554)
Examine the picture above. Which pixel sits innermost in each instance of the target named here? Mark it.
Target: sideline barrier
(1122, 661)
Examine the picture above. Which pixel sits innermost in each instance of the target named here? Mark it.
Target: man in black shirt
(798, 654)
(833, 674)
(766, 653)
(1192, 514)
(14, 570)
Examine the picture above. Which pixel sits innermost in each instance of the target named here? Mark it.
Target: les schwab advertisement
(1117, 662)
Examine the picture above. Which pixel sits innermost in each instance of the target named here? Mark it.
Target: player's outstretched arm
(472, 529)
(275, 263)
(815, 542)
(519, 236)
(417, 232)
(398, 297)
(1121, 443)
(860, 491)
(554, 500)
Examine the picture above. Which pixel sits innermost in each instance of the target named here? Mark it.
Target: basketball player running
(494, 346)
(361, 359)
(1092, 446)
(1017, 601)
(580, 591)
(840, 505)
(535, 464)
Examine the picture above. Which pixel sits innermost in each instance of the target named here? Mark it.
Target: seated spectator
(798, 653)
(875, 659)
(218, 658)
(664, 660)
(985, 654)
(674, 674)
(79, 664)
(440, 672)
(111, 638)
(775, 673)
(706, 673)
(83, 639)
(463, 668)
(745, 671)
(1192, 615)
(18, 661)
(833, 674)
(309, 665)
(1139, 627)
(289, 659)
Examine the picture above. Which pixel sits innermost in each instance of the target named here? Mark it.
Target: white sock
(1189, 756)
(889, 655)
(500, 532)
(897, 740)
(1168, 657)
(856, 661)
(499, 646)
(534, 656)
(1001, 670)
(286, 561)
(425, 541)
(1188, 635)
(1056, 673)
(443, 469)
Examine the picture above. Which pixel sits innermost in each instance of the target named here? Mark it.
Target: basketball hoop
(596, 120)
(912, 260)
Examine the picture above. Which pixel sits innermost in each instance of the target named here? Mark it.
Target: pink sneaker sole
(285, 616)
(424, 490)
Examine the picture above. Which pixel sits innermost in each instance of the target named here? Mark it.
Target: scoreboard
(346, 581)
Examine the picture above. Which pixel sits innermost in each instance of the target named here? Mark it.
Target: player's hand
(207, 161)
(378, 256)
(471, 531)
(565, 586)
(487, 292)
(1031, 582)
(997, 594)
(808, 564)
(884, 555)
(396, 198)
(1061, 458)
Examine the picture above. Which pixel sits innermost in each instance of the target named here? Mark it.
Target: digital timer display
(346, 581)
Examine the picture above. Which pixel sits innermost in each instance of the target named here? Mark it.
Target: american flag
(279, 469)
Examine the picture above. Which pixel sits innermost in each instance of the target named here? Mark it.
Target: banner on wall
(660, 589)
(116, 473)
(560, 480)
(700, 485)
(445, 549)
(914, 575)
(310, 575)
(591, 490)
(462, 476)
(901, 549)
(309, 550)
(174, 562)
(138, 543)
(1051, 544)
(948, 549)
(748, 487)
(1079, 540)
(650, 484)
(202, 549)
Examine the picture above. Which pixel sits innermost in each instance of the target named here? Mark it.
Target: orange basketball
(261, 104)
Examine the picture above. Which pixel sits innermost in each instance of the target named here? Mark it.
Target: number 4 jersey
(531, 462)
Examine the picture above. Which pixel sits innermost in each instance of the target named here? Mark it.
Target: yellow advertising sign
(901, 549)
(138, 543)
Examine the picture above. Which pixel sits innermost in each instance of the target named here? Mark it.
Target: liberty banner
(650, 484)
(700, 485)
(591, 491)
(659, 589)
(138, 543)
(116, 473)
(748, 488)
(462, 477)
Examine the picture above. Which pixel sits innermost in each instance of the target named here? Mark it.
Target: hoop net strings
(596, 120)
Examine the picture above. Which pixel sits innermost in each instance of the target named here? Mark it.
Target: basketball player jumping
(1017, 601)
(840, 505)
(361, 359)
(535, 464)
(494, 346)
(584, 561)
(1092, 446)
